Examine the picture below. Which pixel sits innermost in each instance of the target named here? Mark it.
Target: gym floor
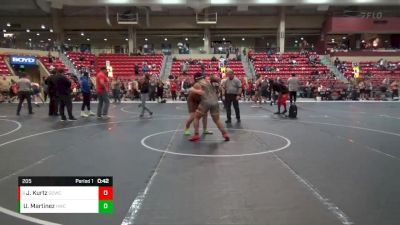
(338, 163)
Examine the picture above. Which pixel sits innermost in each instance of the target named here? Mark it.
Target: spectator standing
(24, 92)
(136, 68)
(160, 91)
(63, 93)
(395, 89)
(116, 89)
(293, 83)
(282, 95)
(144, 92)
(173, 88)
(233, 91)
(102, 89)
(51, 90)
(4, 88)
(152, 89)
(86, 94)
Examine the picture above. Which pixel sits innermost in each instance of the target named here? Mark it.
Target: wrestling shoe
(187, 132)
(207, 132)
(226, 137)
(195, 137)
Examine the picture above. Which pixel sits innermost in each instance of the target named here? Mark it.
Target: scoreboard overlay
(65, 194)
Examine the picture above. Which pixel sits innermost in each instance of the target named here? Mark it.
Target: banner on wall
(22, 60)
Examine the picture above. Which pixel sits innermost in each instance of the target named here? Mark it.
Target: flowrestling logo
(22, 60)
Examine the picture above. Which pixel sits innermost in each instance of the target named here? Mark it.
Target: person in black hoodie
(283, 91)
(63, 92)
(51, 90)
(144, 94)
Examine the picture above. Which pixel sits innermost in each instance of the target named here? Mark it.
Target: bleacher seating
(82, 59)
(378, 74)
(3, 67)
(303, 69)
(236, 66)
(123, 64)
(57, 64)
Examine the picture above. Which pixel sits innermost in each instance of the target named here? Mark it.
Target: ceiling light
(87, 39)
(301, 38)
(363, 41)
(126, 39)
(243, 39)
(223, 39)
(37, 34)
(386, 41)
(172, 1)
(344, 38)
(43, 26)
(146, 39)
(8, 24)
(220, 1)
(105, 39)
(204, 39)
(49, 39)
(4, 30)
(267, 1)
(186, 39)
(82, 34)
(165, 39)
(30, 39)
(27, 30)
(316, 1)
(51, 30)
(69, 39)
(41, 41)
(296, 41)
(333, 40)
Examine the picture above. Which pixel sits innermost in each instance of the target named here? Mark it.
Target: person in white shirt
(293, 83)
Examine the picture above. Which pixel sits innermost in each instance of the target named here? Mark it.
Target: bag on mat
(292, 111)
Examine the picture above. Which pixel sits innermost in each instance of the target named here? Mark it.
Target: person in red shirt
(173, 90)
(102, 89)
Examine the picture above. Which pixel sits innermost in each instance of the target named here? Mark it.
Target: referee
(233, 90)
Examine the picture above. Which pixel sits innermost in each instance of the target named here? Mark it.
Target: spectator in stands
(160, 90)
(116, 89)
(102, 90)
(244, 88)
(13, 91)
(322, 92)
(233, 90)
(173, 89)
(136, 68)
(282, 95)
(257, 95)
(86, 94)
(368, 89)
(336, 62)
(361, 87)
(184, 67)
(145, 67)
(152, 88)
(395, 89)
(24, 92)
(144, 87)
(51, 89)
(4, 88)
(202, 68)
(294, 84)
(385, 85)
(63, 93)
(250, 90)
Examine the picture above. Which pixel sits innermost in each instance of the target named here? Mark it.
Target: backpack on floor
(292, 111)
